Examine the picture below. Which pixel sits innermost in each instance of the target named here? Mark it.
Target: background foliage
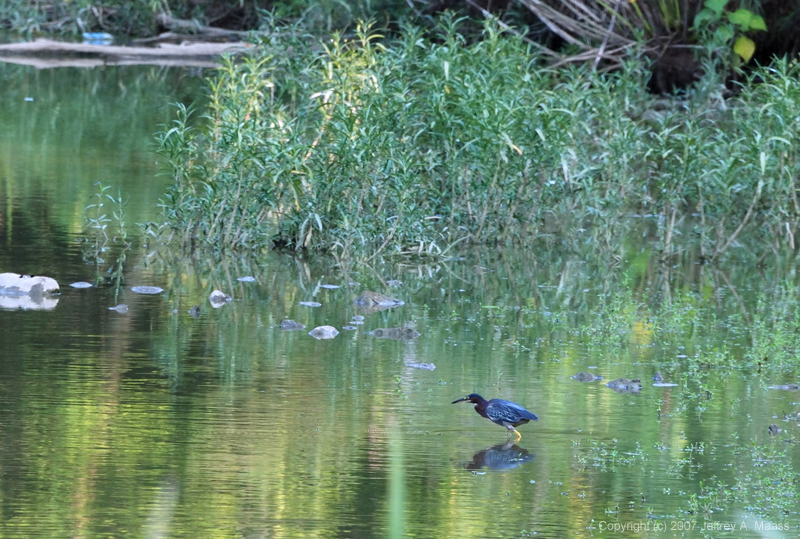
(412, 146)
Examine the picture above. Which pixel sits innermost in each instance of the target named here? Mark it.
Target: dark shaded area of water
(160, 423)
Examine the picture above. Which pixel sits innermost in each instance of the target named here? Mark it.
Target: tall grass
(412, 146)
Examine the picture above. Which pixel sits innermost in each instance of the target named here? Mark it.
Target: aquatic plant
(98, 245)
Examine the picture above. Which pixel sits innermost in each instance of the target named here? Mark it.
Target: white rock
(15, 285)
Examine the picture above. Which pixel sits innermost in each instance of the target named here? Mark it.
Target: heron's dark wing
(500, 410)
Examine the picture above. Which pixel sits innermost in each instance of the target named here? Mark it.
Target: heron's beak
(460, 400)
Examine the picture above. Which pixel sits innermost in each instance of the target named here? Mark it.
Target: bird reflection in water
(500, 457)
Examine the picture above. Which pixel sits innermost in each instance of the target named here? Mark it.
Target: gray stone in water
(194, 312)
(291, 325)
(218, 299)
(586, 377)
(310, 304)
(368, 299)
(349, 328)
(358, 318)
(329, 286)
(659, 381)
(121, 308)
(786, 387)
(623, 385)
(398, 334)
(423, 366)
(147, 289)
(324, 332)
(247, 279)
(81, 284)
(372, 302)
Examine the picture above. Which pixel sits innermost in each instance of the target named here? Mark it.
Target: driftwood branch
(44, 53)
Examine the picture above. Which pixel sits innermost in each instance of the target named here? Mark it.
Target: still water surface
(153, 423)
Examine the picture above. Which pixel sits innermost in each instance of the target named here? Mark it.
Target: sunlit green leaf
(741, 18)
(757, 23)
(744, 47)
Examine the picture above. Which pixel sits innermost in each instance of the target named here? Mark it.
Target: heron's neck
(480, 406)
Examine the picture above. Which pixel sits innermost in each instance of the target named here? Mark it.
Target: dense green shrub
(137, 18)
(415, 145)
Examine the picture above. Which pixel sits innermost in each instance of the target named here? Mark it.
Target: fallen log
(45, 53)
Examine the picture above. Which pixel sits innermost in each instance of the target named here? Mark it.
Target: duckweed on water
(421, 143)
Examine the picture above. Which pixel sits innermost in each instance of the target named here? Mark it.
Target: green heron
(506, 413)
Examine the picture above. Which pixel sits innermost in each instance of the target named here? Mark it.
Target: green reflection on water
(397, 491)
(66, 129)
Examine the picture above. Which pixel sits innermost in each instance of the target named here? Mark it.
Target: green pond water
(154, 423)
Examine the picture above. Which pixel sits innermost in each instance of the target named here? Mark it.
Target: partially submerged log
(45, 53)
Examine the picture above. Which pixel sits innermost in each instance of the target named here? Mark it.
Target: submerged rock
(586, 377)
(194, 312)
(81, 284)
(623, 385)
(659, 381)
(324, 332)
(349, 328)
(310, 304)
(147, 289)
(121, 308)
(291, 325)
(372, 302)
(218, 299)
(358, 318)
(423, 366)
(774, 430)
(786, 387)
(398, 334)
